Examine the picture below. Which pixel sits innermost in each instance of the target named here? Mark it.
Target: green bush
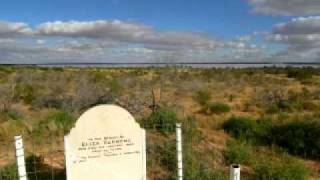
(64, 120)
(218, 108)
(115, 87)
(241, 127)
(298, 138)
(237, 153)
(57, 122)
(25, 92)
(190, 130)
(163, 119)
(203, 97)
(12, 114)
(9, 172)
(266, 170)
(299, 73)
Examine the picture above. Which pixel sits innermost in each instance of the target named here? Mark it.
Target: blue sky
(196, 30)
(227, 18)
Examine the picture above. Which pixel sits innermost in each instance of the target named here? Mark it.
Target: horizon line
(161, 63)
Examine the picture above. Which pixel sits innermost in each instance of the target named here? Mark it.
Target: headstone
(106, 143)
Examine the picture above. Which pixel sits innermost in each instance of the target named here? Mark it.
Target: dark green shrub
(12, 114)
(9, 172)
(298, 138)
(218, 108)
(62, 121)
(299, 73)
(266, 170)
(241, 127)
(163, 119)
(237, 153)
(169, 157)
(203, 172)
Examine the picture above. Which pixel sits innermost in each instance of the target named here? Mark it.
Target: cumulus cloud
(114, 40)
(286, 7)
(13, 29)
(127, 32)
(93, 29)
(301, 35)
(302, 25)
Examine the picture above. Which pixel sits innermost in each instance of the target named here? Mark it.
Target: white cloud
(302, 25)
(301, 35)
(105, 41)
(286, 7)
(100, 29)
(40, 41)
(127, 32)
(14, 29)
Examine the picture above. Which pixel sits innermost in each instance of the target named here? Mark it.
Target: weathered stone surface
(106, 143)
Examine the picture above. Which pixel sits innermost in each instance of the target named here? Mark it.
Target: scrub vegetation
(266, 119)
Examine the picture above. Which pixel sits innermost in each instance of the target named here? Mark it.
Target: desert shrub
(298, 138)
(206, 173)
(25, 92)
(266, 170)
(276, 100)
(50, 101)
(64, 120)
(7, 96)
(168, 156)
(238, 153)
(15, 114)
(190, 130)
(273, 99)
(162, 159)
(310, 106)
(218, 108)
(299, 73)
(12, 114)
(89, 93)
(9, 172)
(241, 127)
(36, 169)
(164, 119)
(202, 97)
(115, 87)
(57, 122)
(202, 171)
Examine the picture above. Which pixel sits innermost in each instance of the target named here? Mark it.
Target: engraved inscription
(107, 146)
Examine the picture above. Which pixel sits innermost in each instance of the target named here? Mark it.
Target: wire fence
(45, 159)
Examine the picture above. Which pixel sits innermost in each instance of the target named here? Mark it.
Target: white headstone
(106, 144)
